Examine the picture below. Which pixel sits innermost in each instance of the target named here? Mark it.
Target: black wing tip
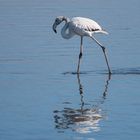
(91, 30)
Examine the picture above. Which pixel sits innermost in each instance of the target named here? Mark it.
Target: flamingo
(82, 27)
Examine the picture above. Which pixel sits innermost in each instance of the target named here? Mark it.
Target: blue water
(41, 97)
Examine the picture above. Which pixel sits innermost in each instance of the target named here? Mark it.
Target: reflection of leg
(80, 85)
(81, 92)
(80, 55)
(106, 86)
(103, 49)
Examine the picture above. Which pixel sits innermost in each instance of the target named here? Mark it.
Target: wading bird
(82, 27)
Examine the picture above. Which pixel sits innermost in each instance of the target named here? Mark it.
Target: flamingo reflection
(82, 120)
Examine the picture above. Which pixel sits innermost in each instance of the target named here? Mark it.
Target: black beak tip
(55, 31)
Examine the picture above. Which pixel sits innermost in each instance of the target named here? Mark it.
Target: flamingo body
(84, 26)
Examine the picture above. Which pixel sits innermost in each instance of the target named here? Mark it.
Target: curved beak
(54, 27)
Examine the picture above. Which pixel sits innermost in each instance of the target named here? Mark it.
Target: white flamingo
(82, 27)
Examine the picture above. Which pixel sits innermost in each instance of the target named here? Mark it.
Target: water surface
(42, 98)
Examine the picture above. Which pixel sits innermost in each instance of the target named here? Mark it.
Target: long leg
(80, 55)
(103, 49)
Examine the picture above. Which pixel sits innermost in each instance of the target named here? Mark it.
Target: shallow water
(42, 98)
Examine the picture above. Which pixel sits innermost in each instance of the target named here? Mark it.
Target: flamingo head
(57, 21)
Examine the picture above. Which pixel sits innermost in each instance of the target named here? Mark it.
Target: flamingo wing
(84, 26)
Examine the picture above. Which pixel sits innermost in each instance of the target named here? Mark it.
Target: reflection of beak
(54, 27)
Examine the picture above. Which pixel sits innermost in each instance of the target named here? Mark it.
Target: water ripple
(126, 71)
(120, 71)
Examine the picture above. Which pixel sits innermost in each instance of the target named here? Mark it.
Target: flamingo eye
(56, 20)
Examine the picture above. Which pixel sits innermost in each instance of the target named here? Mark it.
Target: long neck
(66, 32)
